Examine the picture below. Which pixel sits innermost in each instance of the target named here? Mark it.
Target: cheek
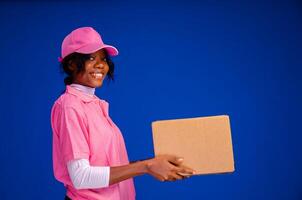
(83, 74)
(88, 65)
(81, 77)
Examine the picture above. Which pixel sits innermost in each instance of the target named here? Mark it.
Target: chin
(97, 85)
(93, 83)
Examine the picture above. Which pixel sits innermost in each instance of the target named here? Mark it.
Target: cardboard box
(205, 143)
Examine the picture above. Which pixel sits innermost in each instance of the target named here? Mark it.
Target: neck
(87, 90)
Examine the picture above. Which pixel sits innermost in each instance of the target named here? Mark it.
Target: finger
(184, 170)
(158, 177)
(175, 160)
(188, 170)
(184, 175)
(175, 176)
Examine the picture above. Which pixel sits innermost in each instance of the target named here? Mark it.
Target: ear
(72, 66)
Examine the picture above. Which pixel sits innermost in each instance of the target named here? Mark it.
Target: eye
(105, 59)
(91, 58)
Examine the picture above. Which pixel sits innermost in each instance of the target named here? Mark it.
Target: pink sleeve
(73, 134)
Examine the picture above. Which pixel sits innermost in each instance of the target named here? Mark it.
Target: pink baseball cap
(84, 40)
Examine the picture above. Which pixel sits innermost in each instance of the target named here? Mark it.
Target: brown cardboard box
(204, 142)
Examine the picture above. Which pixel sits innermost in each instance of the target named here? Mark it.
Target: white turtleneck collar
(87, 90)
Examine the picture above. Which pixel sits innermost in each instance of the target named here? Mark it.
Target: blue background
(177, 59)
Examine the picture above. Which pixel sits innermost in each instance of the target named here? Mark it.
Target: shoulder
(67, 102)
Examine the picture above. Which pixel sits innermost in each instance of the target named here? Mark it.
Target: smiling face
(96, 69)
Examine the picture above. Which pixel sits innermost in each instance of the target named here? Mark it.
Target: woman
(89, 154)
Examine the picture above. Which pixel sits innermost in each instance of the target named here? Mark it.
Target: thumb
(176, 160)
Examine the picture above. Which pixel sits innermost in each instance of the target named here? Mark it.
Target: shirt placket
(112, 126)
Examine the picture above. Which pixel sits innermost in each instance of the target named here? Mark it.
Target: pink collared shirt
(82, 128)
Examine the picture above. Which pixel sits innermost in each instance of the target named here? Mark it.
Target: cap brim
(91, 48)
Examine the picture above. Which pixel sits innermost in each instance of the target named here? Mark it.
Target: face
(96, 69)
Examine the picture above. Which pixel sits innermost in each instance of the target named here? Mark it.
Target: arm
(163, 168)
(84, 176)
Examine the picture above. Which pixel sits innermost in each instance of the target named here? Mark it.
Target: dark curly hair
(79, 60)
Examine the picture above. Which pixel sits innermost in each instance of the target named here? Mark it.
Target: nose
(99, 65)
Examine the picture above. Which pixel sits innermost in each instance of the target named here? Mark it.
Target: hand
(168, 168)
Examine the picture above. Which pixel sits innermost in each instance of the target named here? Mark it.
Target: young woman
(89, 154)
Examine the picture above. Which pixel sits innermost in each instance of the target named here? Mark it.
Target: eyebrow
(95, 55)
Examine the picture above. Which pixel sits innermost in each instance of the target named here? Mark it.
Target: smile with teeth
(97, 75)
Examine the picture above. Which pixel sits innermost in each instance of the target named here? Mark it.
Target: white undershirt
(83, 88)
(82, 175)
